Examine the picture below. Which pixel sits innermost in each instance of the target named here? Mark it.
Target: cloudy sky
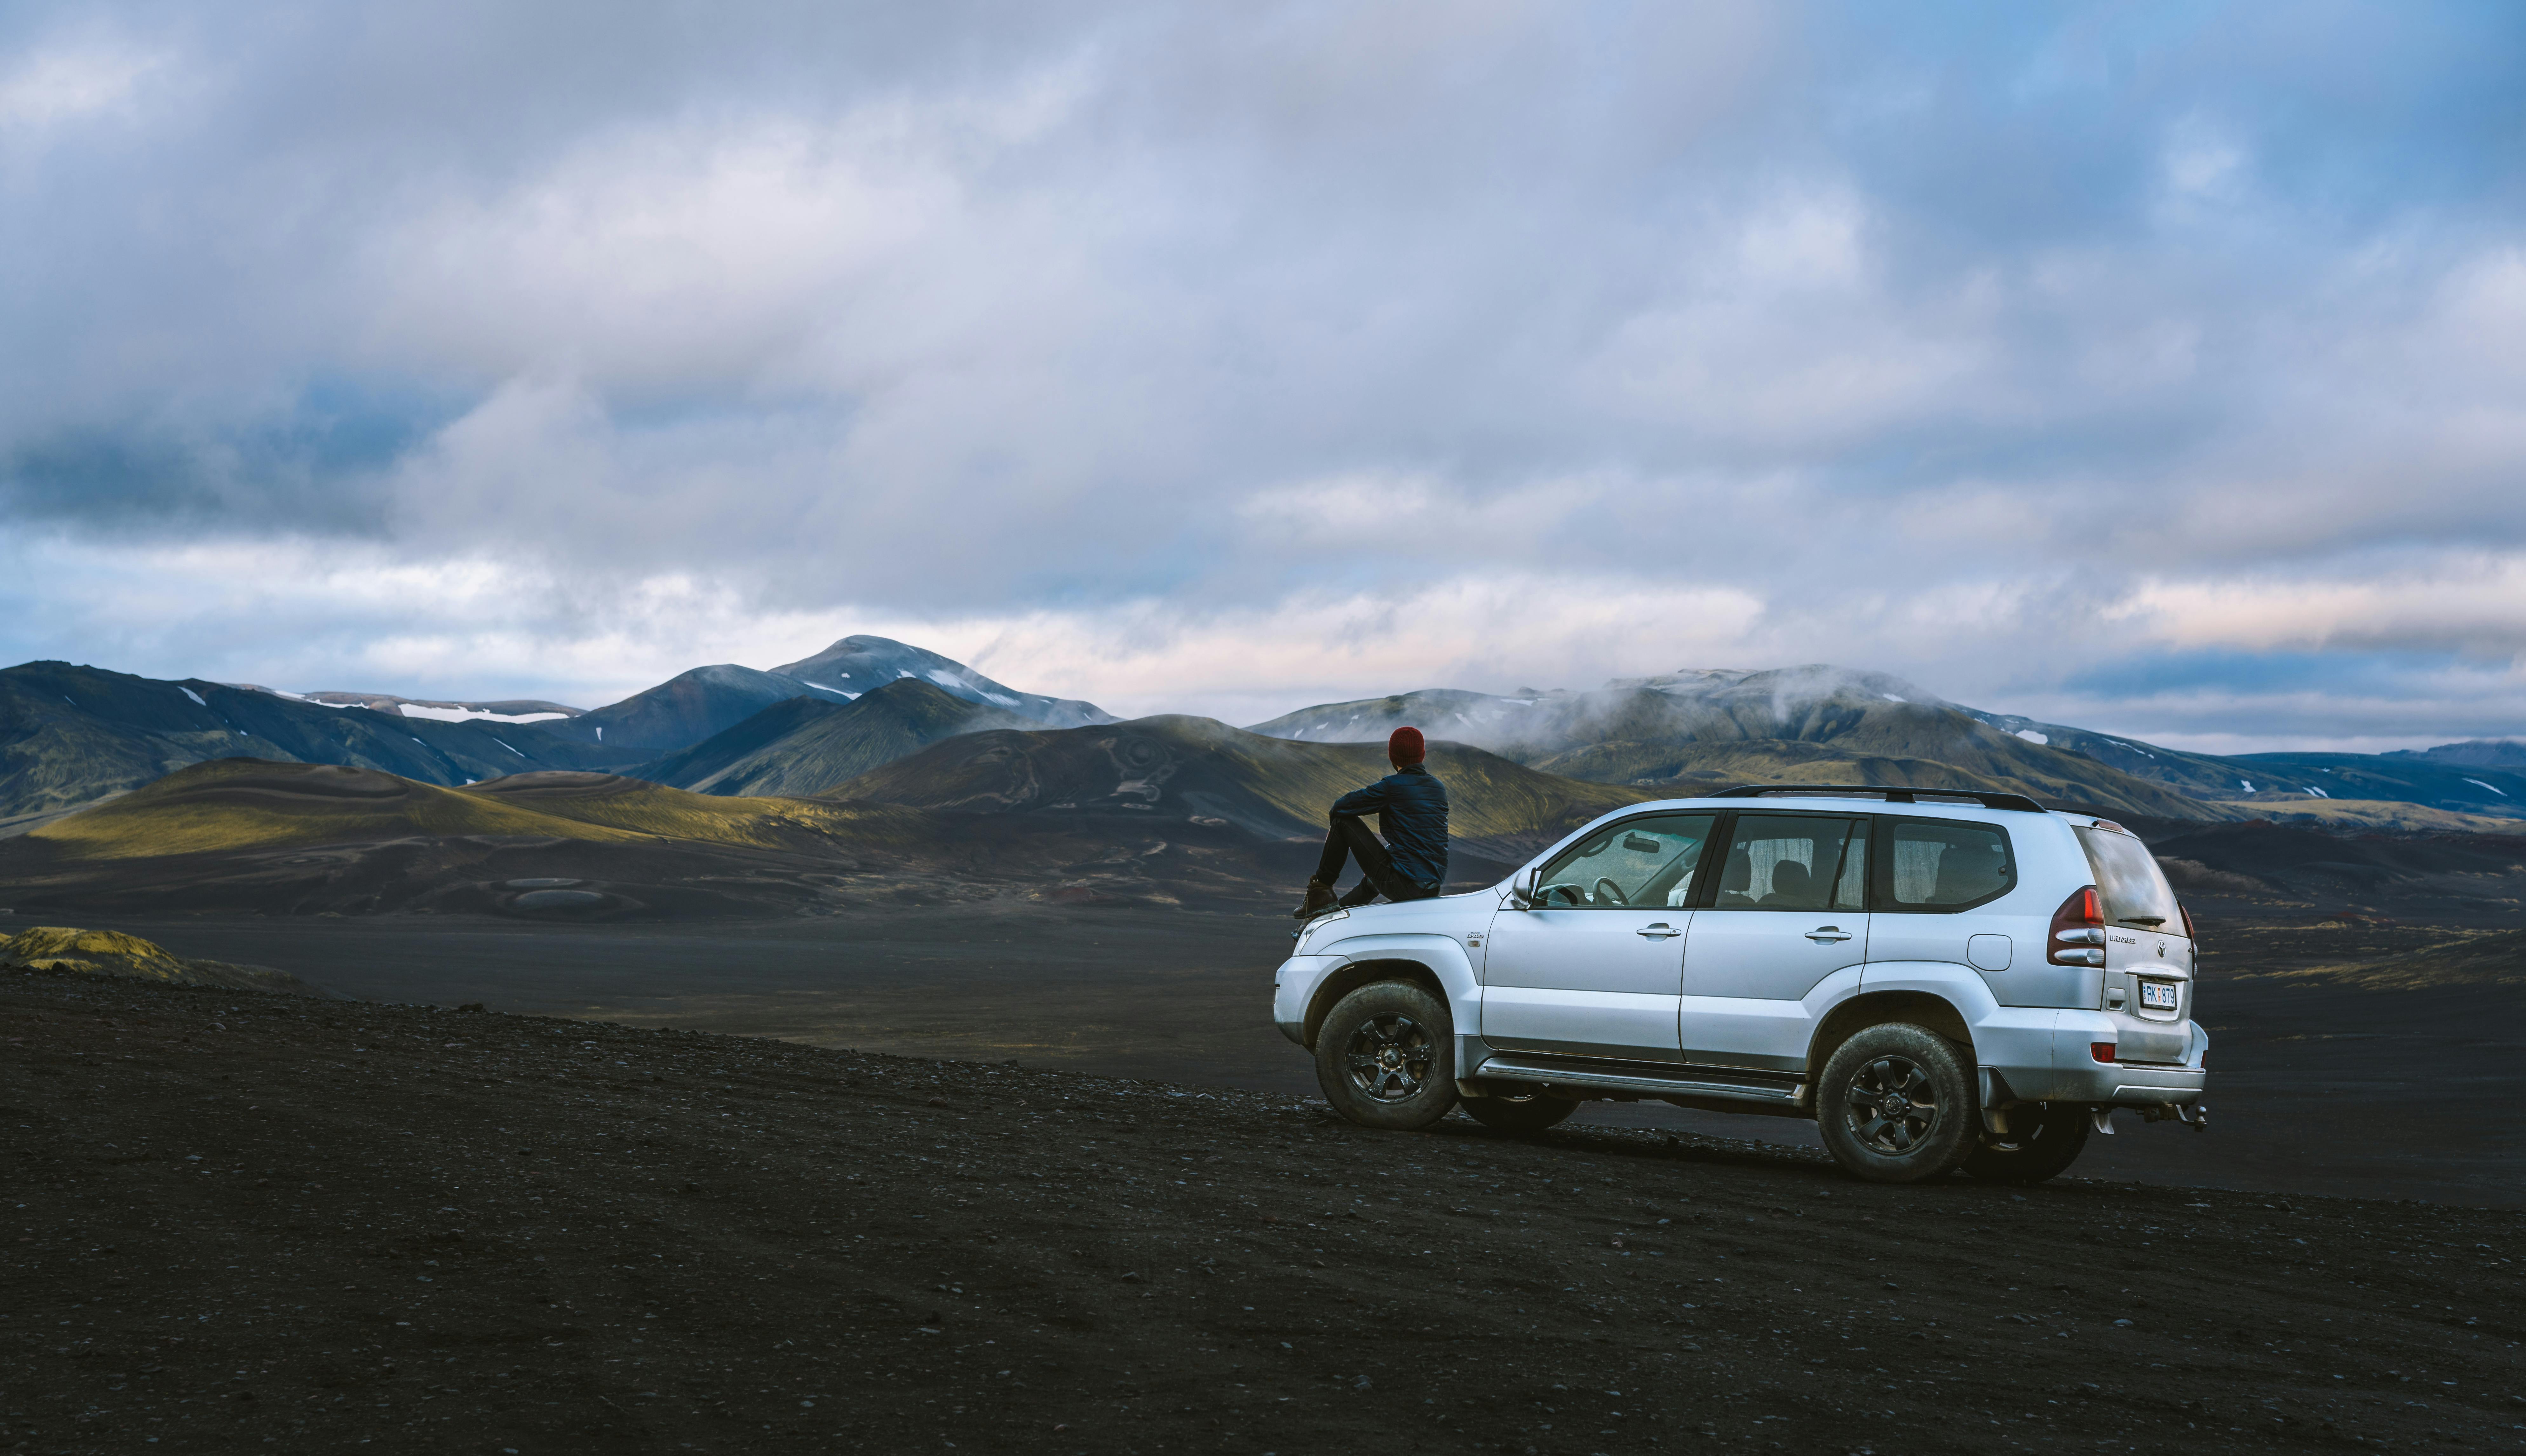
(2154, 367)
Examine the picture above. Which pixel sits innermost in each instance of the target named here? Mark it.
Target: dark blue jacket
(1411, 809)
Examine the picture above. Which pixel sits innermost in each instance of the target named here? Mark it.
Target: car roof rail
(1893, 795)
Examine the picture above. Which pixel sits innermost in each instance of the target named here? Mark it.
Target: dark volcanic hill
(70, 736)
(1177, 768)
(679, 712)
(1165, 811)
(2416, 778)
(1691, 731)
(2480, 753)
(807, 745)
(244, 837)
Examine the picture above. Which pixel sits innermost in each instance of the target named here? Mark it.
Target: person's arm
(1360, 803)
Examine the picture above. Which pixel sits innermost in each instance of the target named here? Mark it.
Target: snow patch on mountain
(466, 715)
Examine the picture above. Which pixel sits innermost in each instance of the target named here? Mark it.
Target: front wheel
(1896, 1106)
(2042, 1139)
(1386, 1057)
(1519, 1113)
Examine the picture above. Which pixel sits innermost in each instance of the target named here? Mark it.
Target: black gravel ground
(240, 1222)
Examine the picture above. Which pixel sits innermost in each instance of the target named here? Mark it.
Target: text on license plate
(2158, 994)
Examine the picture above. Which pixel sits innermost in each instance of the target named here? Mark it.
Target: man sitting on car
(1411, 807)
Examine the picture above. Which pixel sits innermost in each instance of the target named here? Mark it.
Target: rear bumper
(2031, 1063)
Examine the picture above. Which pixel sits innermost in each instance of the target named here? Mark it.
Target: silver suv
(1940, 981)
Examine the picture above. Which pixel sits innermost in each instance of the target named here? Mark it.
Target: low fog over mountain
(507, 710)
(1699, 729)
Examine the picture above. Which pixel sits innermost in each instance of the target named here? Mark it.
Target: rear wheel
(1386, 1057)
(1524, 1111)
(1895, 1105)
(2042, 1139)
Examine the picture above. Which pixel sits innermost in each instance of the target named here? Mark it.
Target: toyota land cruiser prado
(1940, 981)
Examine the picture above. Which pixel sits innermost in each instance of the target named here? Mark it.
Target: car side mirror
(1526, 890)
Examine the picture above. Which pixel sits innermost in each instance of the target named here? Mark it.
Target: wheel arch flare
(1435, 963)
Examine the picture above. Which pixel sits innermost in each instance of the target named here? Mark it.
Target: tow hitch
(2192, 1115)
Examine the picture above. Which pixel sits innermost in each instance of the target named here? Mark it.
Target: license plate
(2160, 995)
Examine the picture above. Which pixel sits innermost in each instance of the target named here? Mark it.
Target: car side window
(1639, 864)
(1795, 861)
(1937, 866)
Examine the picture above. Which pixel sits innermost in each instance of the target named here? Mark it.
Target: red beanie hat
(1405, 746)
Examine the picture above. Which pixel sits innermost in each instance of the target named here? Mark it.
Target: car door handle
(1661, 931)
(1827, 934)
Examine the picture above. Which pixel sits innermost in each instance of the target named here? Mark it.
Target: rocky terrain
(240, 1220)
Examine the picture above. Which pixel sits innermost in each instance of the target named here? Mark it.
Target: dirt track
(245, 1222)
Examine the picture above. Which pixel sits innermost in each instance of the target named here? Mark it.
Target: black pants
(1349, 838)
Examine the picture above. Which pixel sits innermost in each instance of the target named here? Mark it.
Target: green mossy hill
(2365, 814)
(806, 746)
(113, 953)
(1202, 769)
(248, 804)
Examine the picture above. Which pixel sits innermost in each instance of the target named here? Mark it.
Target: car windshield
(2134, 889)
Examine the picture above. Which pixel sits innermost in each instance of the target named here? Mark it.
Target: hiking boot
(1320, 901)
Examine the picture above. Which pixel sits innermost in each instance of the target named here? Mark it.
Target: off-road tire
(2042, 1139)
(1519, 1114)
(1386, 1057)
(1896, 1105)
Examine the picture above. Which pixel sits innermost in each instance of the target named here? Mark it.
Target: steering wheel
(1607, 892)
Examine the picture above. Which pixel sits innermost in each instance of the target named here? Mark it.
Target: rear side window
(2135, 890)
(1794, 861)
(1939, 866)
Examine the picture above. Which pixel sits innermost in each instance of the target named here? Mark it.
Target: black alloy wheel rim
(1389, 1057)
(1891, 1106)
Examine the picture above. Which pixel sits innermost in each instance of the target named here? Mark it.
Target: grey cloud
(1939, 338)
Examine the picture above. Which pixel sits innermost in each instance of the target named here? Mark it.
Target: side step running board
(1653, 1085)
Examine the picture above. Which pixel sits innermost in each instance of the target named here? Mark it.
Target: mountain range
(886, 721)
(72, 736)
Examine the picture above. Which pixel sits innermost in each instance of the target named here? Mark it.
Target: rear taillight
(2102, 1051)
(2077, 933)
(2189, 932)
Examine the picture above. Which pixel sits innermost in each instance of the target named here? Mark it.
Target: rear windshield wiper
(2144, 920)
